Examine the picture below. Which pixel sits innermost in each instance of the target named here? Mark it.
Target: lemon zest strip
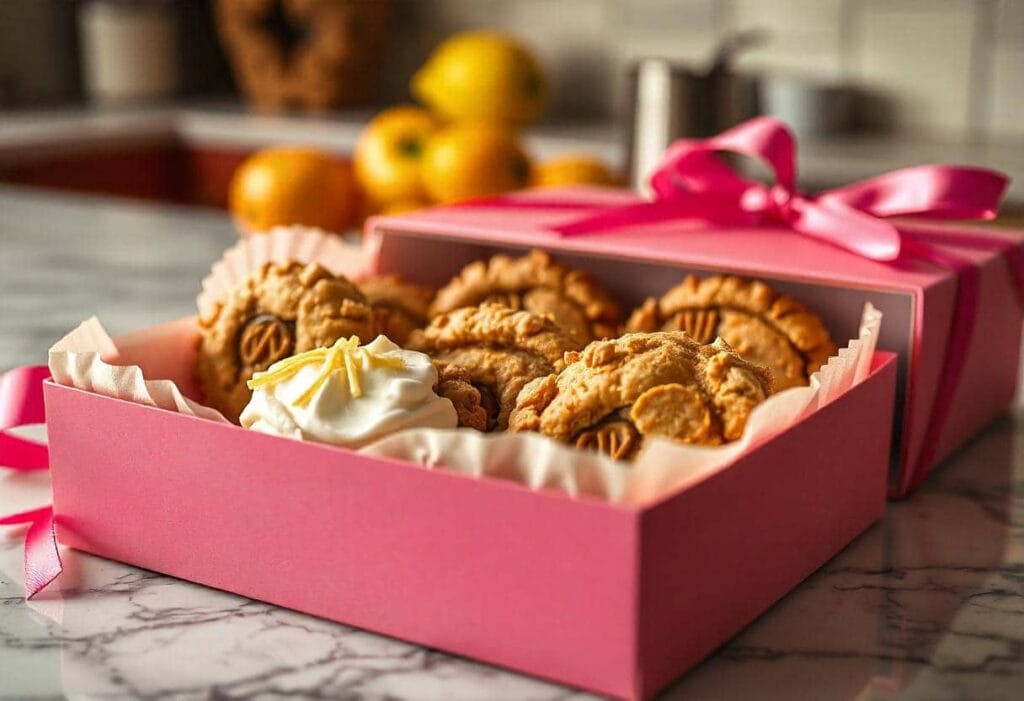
(345, 356)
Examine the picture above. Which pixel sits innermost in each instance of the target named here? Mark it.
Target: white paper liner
(279, 245)
(83, 359)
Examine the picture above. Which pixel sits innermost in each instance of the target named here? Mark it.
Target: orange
(387, 157)
(402, 206)
(292, 185)
(572, 170)
(473, 159)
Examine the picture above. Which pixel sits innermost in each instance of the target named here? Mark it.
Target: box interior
(433, 259)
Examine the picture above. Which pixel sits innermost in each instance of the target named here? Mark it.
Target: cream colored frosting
(348, 394)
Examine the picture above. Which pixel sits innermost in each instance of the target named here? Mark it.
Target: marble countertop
(928, 604)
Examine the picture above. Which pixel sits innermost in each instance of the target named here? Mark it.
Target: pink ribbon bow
(21, 403)
(692, 182)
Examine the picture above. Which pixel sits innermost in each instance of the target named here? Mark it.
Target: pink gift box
(917, 294)
(619, 599)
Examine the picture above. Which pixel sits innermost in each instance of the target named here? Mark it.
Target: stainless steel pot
(669, 101)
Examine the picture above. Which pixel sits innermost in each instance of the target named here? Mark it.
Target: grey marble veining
(928, 604)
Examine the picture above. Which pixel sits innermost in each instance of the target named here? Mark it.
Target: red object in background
(208, 174)
(151, 172)
(162, 172)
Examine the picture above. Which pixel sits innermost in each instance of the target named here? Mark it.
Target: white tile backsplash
(568, 34)
(950, 67)
(1007, 100)
(682, 30)
(789, 16)
(802, 37)
(1010, 22)
(918, 54)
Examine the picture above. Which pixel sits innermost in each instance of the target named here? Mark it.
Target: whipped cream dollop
(348, 394)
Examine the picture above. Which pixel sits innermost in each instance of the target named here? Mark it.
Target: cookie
(281, 310)
(495, 348)
(453, 383)
(399, 306)
(535, 283)
(764, 327)
(615, 393)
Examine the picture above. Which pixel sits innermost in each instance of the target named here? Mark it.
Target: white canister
(129, 50)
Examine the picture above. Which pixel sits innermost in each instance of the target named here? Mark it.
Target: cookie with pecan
(497, 349)
(535, 283)
(766, 328)
(615, 393)
(399, 306)
(281, 310)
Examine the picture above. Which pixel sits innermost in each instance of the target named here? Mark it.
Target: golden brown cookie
(281, 310)
(399, 306)
(614, 393)
(454, 384)
(498, 349)
(766, 328)
(535, 283)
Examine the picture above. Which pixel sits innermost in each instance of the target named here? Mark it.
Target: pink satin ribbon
(42, 559)
(693, 182)
(21, 403)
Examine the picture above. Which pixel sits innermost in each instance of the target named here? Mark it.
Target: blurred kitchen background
(868, 85)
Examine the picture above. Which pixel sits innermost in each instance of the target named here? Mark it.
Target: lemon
(572, 170)
(387, 156)
(482, 75)
(473, 159)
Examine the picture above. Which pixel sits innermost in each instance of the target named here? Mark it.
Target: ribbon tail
(21, 403)
(42, 558)
(847, 228)
(21, 396)
(619, 217)
(961, 331)
(23, 455)
(932, 191)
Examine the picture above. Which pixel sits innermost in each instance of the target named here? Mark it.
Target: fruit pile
(477, 90)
